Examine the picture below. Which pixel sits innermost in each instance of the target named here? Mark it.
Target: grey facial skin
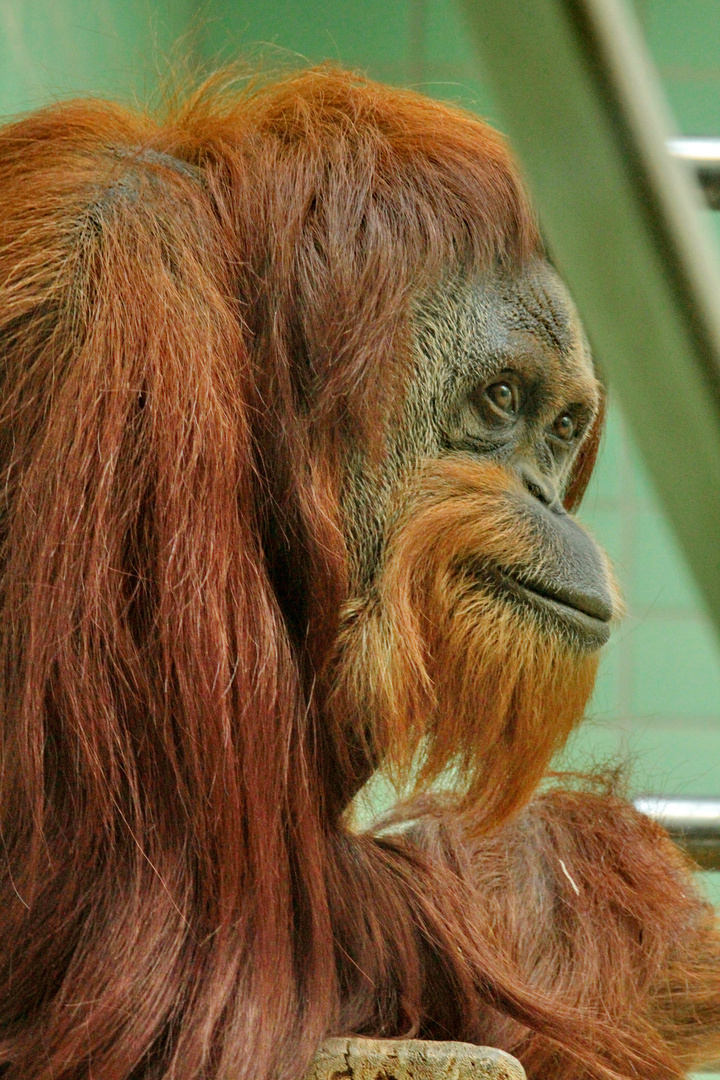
(503, 373)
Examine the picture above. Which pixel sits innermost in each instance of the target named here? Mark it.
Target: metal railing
(694, 824)
(703, 157)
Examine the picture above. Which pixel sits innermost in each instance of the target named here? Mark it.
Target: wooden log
(353, 1058)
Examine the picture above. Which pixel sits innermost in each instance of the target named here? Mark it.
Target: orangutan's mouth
(586, 615)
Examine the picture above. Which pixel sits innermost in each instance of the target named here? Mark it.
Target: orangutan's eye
(502, 396)
(565, 427)
(500, 401)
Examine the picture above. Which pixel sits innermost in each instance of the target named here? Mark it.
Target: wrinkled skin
(518, 333)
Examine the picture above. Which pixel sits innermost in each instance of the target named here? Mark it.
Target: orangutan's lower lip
(586, 617)
(593, 630)
(593, 604)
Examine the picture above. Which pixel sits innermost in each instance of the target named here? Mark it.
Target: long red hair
(195, 318)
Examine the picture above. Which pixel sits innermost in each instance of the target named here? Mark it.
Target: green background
(658, 695)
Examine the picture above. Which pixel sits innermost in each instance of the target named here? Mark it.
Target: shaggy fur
(229, 588)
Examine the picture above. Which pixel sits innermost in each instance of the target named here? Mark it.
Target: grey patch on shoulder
(147, 156)
(135, 173)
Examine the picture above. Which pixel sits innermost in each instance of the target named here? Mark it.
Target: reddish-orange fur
(444, 667)
(188, 353)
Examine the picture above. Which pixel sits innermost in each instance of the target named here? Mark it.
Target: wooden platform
(411, 1059)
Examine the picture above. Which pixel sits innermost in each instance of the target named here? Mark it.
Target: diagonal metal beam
(582, 107)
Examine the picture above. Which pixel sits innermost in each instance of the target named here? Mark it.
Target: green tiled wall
(683, 37)
(658, 694)
(114, 49)
(340, 30)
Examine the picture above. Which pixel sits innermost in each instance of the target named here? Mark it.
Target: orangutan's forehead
(537, 303)
(473, 328)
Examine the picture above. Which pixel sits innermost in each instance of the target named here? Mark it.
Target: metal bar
(694, 825)
(703, 157)
(580, 103)
(700, 152)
